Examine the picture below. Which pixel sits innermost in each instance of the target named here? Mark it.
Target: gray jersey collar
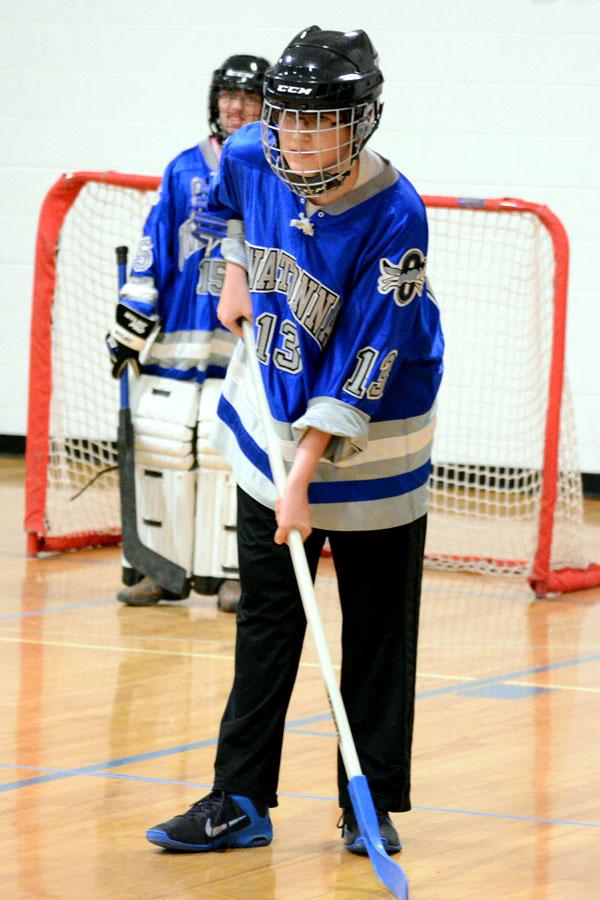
(206, 149)
(383, 180)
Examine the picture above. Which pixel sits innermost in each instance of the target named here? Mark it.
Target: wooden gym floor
(110, 717)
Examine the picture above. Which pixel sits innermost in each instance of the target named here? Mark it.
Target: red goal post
(505, 488)
(47, 528)
(550, 480)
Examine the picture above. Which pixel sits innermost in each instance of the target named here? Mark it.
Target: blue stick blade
(389, 872)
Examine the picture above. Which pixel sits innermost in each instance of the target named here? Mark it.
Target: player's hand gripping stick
(386, 869)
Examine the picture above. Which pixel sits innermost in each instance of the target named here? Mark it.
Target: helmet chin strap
(315, 185)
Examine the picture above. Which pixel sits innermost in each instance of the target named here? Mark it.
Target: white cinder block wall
(483, 97)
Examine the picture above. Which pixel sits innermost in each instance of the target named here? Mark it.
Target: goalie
(166, 327)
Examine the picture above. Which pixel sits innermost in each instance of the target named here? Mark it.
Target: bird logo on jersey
(406, 279)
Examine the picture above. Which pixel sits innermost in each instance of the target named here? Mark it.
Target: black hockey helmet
(237, 73)
(323, 72)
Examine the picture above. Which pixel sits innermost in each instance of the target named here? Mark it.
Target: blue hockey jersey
(186, 273)
(348, 335)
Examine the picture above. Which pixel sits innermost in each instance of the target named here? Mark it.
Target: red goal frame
(543, 579)
(57, 203)
(55, 208)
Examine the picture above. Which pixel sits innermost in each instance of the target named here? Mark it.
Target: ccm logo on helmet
(292, 89)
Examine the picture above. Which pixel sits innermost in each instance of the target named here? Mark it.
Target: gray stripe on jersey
(377, 430)
(184, 365)
(377, 442)
(206, 149)
(367, 471)
(197, 337)
(385, 441)
(371, 515)
(367, 515)
(401, 426)
(394, 448)
(185, 349)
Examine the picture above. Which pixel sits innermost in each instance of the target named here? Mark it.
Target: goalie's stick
(121, 253)
(160, 569)
(386, 869)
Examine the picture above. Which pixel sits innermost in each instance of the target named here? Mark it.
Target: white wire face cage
(312, 150)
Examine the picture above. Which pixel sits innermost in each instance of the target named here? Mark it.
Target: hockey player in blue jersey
(167, 308)
(327, 256)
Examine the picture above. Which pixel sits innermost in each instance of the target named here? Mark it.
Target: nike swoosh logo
(213, 832)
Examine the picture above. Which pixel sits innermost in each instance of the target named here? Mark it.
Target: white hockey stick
(386, 869)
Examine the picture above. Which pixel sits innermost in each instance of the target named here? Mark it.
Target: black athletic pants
(379, 581)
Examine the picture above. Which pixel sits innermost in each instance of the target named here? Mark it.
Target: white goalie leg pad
(215, 553)
(164, 413)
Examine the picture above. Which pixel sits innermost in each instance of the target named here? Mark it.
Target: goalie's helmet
(237, 73)
(323, 81)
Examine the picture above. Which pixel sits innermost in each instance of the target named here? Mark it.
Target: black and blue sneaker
(219, 821)
(355, 843)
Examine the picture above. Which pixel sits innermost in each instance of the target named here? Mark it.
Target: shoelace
(212, 806)
(348, 820)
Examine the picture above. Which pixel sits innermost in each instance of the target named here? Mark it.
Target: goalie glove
(131, 338)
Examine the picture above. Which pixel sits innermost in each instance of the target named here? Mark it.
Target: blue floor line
(155, 754)
(332, 734)
(436, 692)
(508, 676)
(301, 796)
(310, 720)
(150, 779)
(54, 609)
(39, 779)
(114, 763)
(110, 764)
(510, 816)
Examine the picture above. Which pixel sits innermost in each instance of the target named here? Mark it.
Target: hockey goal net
(506, 491)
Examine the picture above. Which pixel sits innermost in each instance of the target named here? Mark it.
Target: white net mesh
(492, 273)
(85, 398)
